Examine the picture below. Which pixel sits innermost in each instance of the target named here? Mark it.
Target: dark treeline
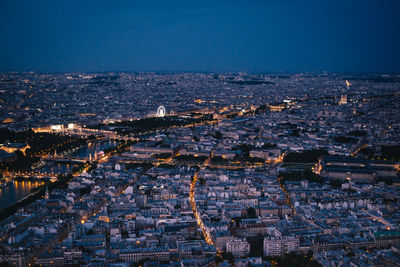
(120, 148)
(39, 144)
(306, 174)
(191, 158)
(344, 139)
(220, 160)
(153, 124)
(20, 162)
(357, 133)
(307, 156)
(162, 155)
(144, 165)
(391, 152)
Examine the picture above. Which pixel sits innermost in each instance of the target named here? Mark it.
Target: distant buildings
(279, 245)
(238, 247)
(138, 205)
(356, 170)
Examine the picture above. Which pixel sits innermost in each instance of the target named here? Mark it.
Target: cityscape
(185, 133)
(228, 175)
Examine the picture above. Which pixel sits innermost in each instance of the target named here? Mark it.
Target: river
(18, 190)
(93, 148)
(83, 153)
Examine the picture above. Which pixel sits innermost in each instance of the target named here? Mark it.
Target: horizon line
(203, 72)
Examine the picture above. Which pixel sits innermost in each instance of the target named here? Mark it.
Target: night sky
(201, 35)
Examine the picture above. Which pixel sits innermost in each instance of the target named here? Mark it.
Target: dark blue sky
(201, 35)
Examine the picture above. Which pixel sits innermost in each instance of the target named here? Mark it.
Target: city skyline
(209, 133)
(194, 169)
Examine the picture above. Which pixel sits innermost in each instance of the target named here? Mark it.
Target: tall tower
(343, 100)
(343, 97)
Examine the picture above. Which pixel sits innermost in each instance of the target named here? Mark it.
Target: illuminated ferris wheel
(161, 112)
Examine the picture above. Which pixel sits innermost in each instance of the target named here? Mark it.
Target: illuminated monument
(343, 97)
(343, 100)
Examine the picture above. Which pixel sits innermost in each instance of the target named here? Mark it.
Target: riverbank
(17, 190)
